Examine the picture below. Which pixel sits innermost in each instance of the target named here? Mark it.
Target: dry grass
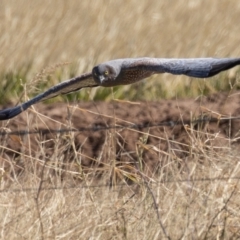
(46, 197)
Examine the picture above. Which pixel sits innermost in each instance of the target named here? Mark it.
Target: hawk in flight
(128, 71)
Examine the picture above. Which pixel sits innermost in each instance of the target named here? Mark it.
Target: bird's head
(105, 74)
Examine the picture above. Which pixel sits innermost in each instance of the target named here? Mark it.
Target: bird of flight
(128, 71)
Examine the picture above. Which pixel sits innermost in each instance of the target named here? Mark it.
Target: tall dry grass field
(47, 191)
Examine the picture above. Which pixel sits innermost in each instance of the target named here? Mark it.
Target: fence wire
(118, 185)
(202, 119)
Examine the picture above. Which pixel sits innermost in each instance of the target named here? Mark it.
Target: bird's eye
(106, 73)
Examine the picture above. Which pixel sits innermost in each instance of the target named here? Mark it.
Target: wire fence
(84, 186)
(202, 119)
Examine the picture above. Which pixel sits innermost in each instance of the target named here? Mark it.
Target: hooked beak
(101, 79)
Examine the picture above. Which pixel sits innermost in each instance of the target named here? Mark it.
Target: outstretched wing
(136, 69)
(196, 67)
(72, 85)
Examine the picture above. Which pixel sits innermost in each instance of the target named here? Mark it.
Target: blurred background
(44, 42)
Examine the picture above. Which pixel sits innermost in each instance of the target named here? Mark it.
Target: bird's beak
(101, 79)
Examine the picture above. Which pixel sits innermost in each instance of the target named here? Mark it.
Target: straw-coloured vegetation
(175, 182)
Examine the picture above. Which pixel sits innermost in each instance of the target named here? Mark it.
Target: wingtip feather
(10, 113)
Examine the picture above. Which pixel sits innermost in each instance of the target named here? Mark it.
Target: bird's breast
(129, 76)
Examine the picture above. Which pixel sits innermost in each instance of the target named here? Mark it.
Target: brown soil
(126, 144)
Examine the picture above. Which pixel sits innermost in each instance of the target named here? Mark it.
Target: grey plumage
(128, 71)
(132, 70)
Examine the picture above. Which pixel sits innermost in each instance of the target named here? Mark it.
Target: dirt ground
(151, 144)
